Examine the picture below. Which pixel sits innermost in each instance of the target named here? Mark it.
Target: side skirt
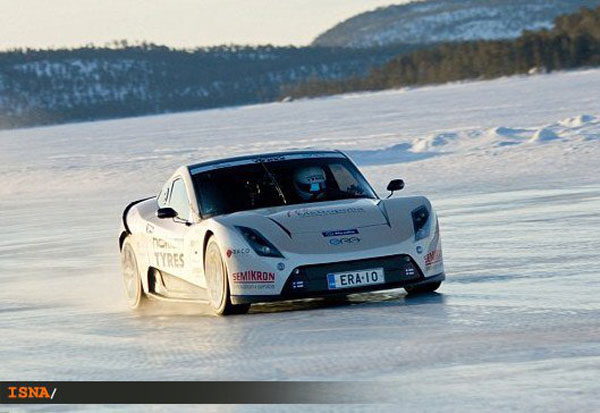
(167, 287)
(159, 297)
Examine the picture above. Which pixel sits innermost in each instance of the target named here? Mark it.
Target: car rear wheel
(423, 288)
(217, 282)
(131, 277)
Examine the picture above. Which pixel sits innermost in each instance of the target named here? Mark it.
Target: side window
(179, 200)
(163, 197)
(345, 180)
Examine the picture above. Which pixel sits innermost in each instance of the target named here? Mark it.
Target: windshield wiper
(279, 191)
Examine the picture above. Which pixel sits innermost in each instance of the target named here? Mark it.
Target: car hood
(317, 217)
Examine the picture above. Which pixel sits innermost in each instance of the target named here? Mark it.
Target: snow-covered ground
(512, 165)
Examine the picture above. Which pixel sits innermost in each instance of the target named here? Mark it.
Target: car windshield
(277, 183)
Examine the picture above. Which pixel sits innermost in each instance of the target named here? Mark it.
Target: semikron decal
(310, 213)
(254, 280)
(252, 276)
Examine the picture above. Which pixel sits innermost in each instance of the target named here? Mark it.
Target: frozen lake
(512, 167)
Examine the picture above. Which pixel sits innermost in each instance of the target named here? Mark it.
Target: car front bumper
(311, 281)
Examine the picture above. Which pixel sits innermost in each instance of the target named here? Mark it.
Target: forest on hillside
(574, 42)
(54, 86)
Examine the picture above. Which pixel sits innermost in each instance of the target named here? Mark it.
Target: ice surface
(516, 325)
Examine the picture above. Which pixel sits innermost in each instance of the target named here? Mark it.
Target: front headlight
(421, 222)
(258, 243)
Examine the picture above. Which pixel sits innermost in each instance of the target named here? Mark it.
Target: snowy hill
(434, 21)
(56, 86)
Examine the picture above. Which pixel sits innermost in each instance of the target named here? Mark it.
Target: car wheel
(131, 277)
(423, 288)
(217, 282)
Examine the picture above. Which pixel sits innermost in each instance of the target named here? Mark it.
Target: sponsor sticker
(344, 241)
(162, 244)
(433, 257)
(237, 251)
(270, 159)
(166, 255)
(217, 165)
(310, 213)
(340, 232)
(253, 279)
(169, 259)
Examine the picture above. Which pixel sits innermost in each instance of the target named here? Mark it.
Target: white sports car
(275, 227)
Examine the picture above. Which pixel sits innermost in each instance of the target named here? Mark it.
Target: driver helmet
(309, 182)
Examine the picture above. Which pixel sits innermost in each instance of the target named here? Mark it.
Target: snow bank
(502, 141)
(461, 129)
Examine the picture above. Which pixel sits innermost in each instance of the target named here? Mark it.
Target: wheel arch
(207, 235)
(223, 236)
(122, 238)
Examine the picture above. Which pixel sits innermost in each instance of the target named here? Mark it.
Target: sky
(178, 23)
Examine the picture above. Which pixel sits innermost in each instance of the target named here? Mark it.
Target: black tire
(423, 288)
(217, 281)
(132, 280)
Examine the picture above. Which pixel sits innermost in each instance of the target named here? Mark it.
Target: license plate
(350, 279)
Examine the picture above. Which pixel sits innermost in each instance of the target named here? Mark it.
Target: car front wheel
(217, 282)
(131, 277)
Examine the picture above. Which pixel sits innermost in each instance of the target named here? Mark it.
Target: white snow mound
(578, 121)
(544, 135)
(433, 142)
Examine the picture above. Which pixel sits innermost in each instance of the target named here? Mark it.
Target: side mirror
(395, 185)
(163, 213)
